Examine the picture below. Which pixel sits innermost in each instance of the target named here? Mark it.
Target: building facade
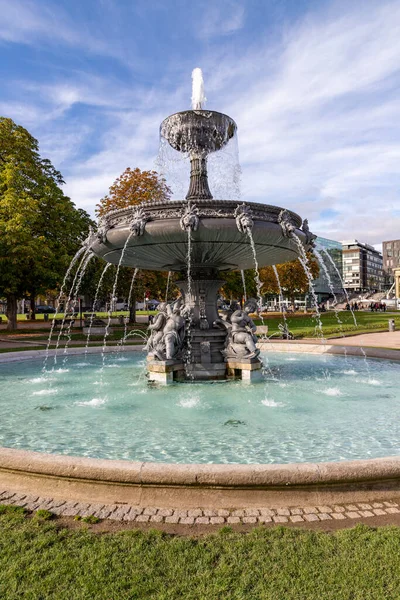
(322, 286)
(362, 267)
(391, 256)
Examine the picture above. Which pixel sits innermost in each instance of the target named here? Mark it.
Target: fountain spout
(198, 97)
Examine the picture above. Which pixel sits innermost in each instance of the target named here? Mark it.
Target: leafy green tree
(40, 228)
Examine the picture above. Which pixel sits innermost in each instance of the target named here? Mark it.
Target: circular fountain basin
(310, 408)
(217, 243)
(340, 389)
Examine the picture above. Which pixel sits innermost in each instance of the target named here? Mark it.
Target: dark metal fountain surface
(201, 237)
(218, 238)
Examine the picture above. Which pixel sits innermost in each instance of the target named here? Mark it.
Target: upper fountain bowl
(198, 132)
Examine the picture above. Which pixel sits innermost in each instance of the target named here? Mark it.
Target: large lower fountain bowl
(217, 242)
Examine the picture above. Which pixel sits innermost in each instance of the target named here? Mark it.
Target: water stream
(188, 356)
(78, 285)
(114, 289)
(244, 286)
(341, 281)
(58, 302)
(351, 310)
(331, 287)
(306, 266)
(94, 306)
(285, 332)
(167, 288)
(67, 303)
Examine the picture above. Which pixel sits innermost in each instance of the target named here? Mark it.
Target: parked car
(42, 309)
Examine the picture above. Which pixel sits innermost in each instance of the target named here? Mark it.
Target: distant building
(391, 256)
(322, 286)
(362, 267)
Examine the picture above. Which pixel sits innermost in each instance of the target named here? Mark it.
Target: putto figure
(241, 341)
(167, 335)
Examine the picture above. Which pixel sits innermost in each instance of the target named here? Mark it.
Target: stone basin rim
(249, 476)
(204, 203)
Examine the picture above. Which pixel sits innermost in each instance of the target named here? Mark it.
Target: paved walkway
(376, 340)
(198, 516)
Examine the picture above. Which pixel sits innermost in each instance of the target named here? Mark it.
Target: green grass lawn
(304, 325)
(42, 560)
(300, 325)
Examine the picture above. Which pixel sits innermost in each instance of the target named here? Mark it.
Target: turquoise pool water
(316, 408)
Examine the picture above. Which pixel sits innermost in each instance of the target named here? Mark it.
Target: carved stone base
(205, 372)
(165, 371)
(246, 369)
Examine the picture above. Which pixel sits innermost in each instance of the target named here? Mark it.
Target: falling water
(126, 320)
(305, 264)
(188, 358)
(256, 274)
(198, 96)
(58, 302)
(167, 288)
(70, 295)
(341, 281)
(78, 285)
(285, 325)
(259, 295)
(351, 310)
(330, 285)
(94, 306)
(114, 289)
(244, 286)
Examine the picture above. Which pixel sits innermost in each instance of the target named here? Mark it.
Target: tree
(133, 187)
(40, 228)
(293, 278)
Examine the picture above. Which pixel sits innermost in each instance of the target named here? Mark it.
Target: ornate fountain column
(206, 342)
(198, 189)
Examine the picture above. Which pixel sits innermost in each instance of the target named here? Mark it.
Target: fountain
(201, 238)
(104, 436)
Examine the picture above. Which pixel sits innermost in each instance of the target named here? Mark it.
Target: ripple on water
(189, 402)
(92, 402)
(332, 391)
(45, 392)
(272, 403)
(42, 379)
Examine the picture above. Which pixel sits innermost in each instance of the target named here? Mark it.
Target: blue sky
(312, 84)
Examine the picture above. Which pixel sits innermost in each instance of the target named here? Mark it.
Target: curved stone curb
(327, 348)
(248, 476)
(199, 516)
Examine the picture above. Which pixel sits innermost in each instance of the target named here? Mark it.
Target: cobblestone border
(198, 516)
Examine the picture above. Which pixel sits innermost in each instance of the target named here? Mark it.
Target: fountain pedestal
(246, 369)
(165, 371)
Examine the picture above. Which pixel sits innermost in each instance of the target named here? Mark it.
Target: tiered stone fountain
(200, 238)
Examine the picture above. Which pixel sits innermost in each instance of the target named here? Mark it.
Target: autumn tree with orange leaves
(133, 187)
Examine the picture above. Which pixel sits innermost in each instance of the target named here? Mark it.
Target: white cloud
(318, 115)
(220, 18)
(29, 22)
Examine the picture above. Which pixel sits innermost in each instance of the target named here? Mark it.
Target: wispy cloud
(317, 108)
(220, 18)
(39, 23)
